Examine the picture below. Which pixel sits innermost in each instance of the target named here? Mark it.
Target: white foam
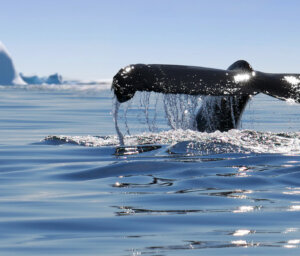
(193, 142)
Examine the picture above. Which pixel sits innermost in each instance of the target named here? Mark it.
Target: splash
(158, 112)
(197, 143)
(208, 109)
(181, 110)
(154, 112)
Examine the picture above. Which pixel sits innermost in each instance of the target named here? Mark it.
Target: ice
(52, 79)
(8, 73)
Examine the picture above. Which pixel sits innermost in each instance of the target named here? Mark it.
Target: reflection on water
(166, 193)
(155, 181)
(294, 208)
(147, 204)
(241, 232)
(245, 209)
(121, 151)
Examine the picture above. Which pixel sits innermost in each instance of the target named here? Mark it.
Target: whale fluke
(179, 79)
(235, 85)
(239, 79)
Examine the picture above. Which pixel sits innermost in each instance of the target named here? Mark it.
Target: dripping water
(207, 110)
(181, 110)
(126, 108)
(213, 106)
(172, 110)
(115, 109)
(145, 106)
(178, 110)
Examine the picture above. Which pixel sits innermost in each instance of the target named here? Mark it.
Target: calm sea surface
(68, 188)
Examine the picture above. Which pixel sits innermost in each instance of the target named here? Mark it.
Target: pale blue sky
(92, 39)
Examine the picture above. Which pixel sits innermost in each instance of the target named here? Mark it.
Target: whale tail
(234, 87)
(177, 79)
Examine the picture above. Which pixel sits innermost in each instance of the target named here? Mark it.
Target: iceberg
(57, 79)
(8, 73)
(9, 76)
(52, 79)
(32, 79)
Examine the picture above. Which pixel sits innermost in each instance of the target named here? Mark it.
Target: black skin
(226, 113)
(238, 82)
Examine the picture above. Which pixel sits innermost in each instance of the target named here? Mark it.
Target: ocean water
(69, 188)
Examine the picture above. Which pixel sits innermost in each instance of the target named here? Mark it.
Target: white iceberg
(52, 79)
(9, 76)
(8, 73)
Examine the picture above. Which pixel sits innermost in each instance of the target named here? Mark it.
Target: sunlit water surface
(68, 187)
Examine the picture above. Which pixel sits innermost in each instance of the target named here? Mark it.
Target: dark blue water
(184, 193)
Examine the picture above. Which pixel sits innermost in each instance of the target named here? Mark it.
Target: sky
(93, 39)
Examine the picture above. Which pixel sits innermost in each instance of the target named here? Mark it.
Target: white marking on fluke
(241, 78)
(292, 80)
